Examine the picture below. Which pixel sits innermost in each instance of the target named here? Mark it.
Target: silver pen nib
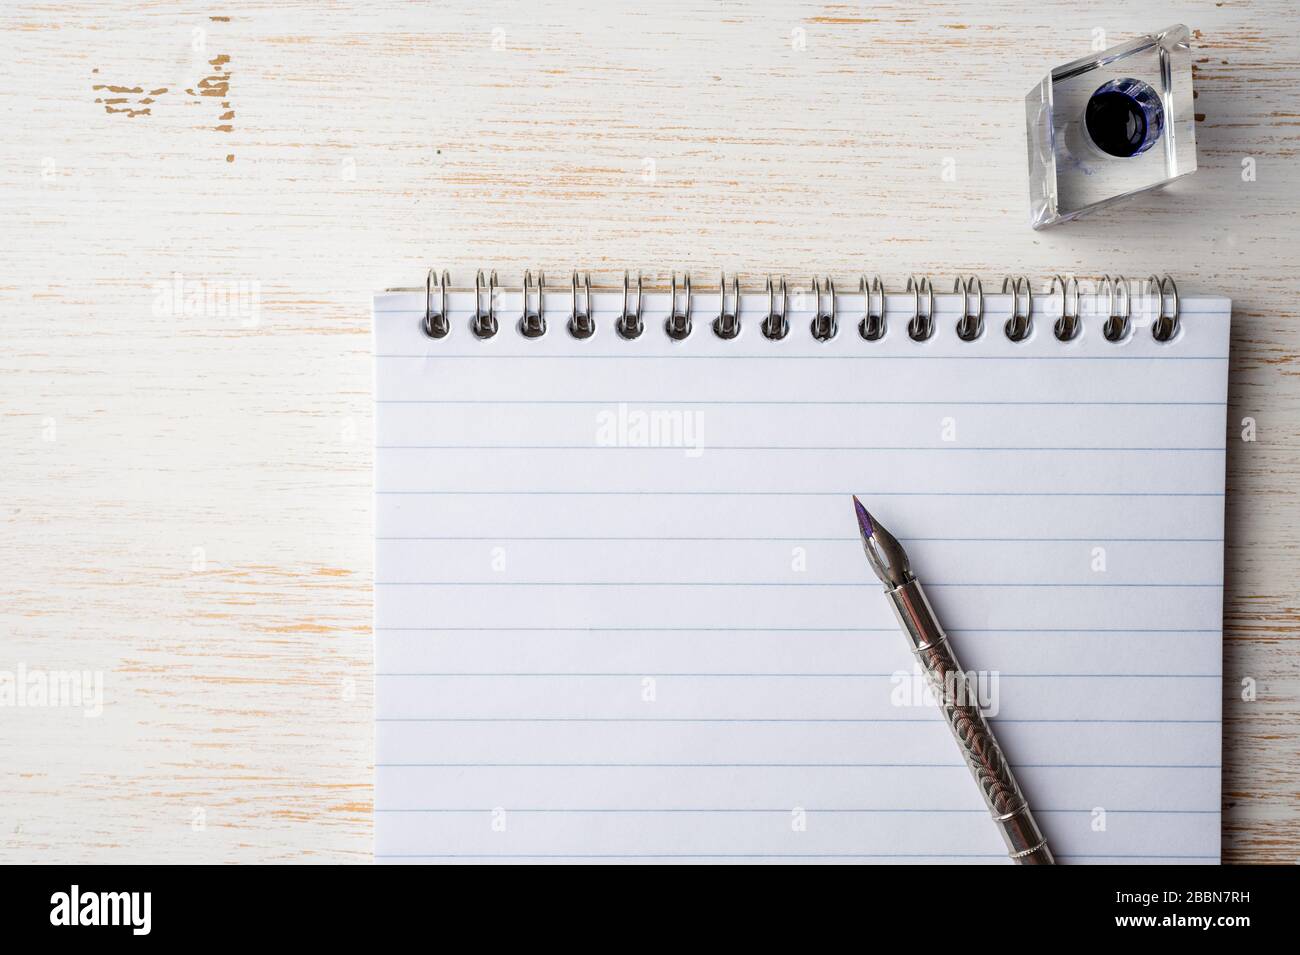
(884, 553)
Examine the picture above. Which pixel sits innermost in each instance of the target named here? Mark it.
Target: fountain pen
(953, 689)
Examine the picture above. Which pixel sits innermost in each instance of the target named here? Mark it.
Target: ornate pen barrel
(1025, 842)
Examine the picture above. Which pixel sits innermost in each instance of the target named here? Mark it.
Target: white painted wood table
(185, 491)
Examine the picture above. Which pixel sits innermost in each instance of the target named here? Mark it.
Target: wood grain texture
(311, 154)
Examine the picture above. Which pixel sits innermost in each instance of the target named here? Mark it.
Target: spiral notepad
(621, 609)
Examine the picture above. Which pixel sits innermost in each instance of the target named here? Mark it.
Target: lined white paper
(622, 613)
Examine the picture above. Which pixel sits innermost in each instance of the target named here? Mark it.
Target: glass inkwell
(1110, 126)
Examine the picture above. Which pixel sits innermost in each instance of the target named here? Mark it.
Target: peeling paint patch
(217, 85)
(129, 100)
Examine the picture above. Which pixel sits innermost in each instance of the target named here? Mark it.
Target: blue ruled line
(855, 539)
(801, 676)
(962, 766)
(785, 811)
(686, 855)
(532, 402)
(686, 356)
(919, 720)
(678, 448)
(749, 855)
(1029, 630)
(740, 583)
(651, 492)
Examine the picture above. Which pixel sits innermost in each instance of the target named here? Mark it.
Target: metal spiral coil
(629, 324)
(971, 325)
(1165, 327)
(581, 322)
(776, 326)
(727, 324)
(484, 322)
(824, 326)
(436, 323)
(1119, 321)
(1067, 326)
(1019, 326)
(921, 326)
(872, 326)
(532, 322)
(678, 324)
(1128, 308)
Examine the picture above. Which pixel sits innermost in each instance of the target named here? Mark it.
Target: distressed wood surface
(185, 498)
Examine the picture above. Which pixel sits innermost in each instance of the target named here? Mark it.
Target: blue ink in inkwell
(1124, 118)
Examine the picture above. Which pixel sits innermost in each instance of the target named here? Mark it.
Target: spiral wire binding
(532, 321)
(629, 324)
(1019, 326)
(776, 326)
(824, 325)
(1118, 326)
(872, 326)
(436, 324)
(581, 323)
(921, 327)
(1118, 323)
(1067, 326)
(727, 324)
(1165, 327)
(678, 324)
(484, 322)
(970, 326)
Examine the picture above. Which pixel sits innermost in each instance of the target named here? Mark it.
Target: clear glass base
(1069, 173)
